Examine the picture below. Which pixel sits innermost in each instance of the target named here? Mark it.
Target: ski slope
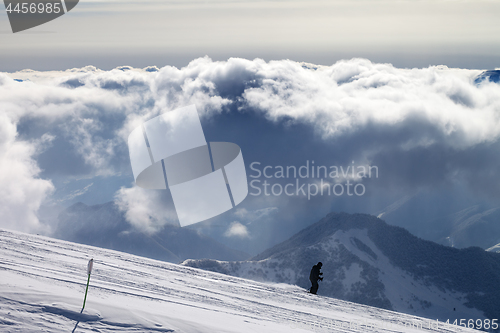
(42, 284)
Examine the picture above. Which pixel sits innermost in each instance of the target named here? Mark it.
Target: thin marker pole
(89, 270)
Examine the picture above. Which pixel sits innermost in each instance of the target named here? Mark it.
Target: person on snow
(314, 277)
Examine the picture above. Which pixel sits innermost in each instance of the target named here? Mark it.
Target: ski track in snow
(42, 284)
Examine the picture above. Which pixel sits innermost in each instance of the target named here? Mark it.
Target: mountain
(105, 226)
(43, 280)
(491, 76)
(367, 261)
(449, 220)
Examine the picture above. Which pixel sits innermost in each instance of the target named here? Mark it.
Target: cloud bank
(420, 126)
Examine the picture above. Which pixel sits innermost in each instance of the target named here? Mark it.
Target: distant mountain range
(367, 261)
(457, 222)
(105, 226)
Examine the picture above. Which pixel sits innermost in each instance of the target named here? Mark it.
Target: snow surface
(42, 284)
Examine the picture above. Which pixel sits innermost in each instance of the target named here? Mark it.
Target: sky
(339, 84)
(405, 33)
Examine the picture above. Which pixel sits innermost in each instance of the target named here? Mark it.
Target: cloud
(146, 210)
(77, 193)
(336, 100)
(236, 229)
(420, 127)
(353, 95)
(21, 190)
(253, 215)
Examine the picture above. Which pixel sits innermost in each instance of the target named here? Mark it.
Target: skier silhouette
(314, 277)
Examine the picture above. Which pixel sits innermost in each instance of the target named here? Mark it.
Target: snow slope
(42, 282)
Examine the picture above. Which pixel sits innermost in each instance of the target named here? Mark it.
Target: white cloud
(93, 112)
(77, 193)
(236, 229)
(254, 215)
(337, 100)
(95, 151)
(352, 95)
(145, 209)
(21, 190)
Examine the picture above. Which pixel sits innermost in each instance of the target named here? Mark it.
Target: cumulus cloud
(236, 229)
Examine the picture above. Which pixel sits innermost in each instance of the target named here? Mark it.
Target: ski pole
(89, 270)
